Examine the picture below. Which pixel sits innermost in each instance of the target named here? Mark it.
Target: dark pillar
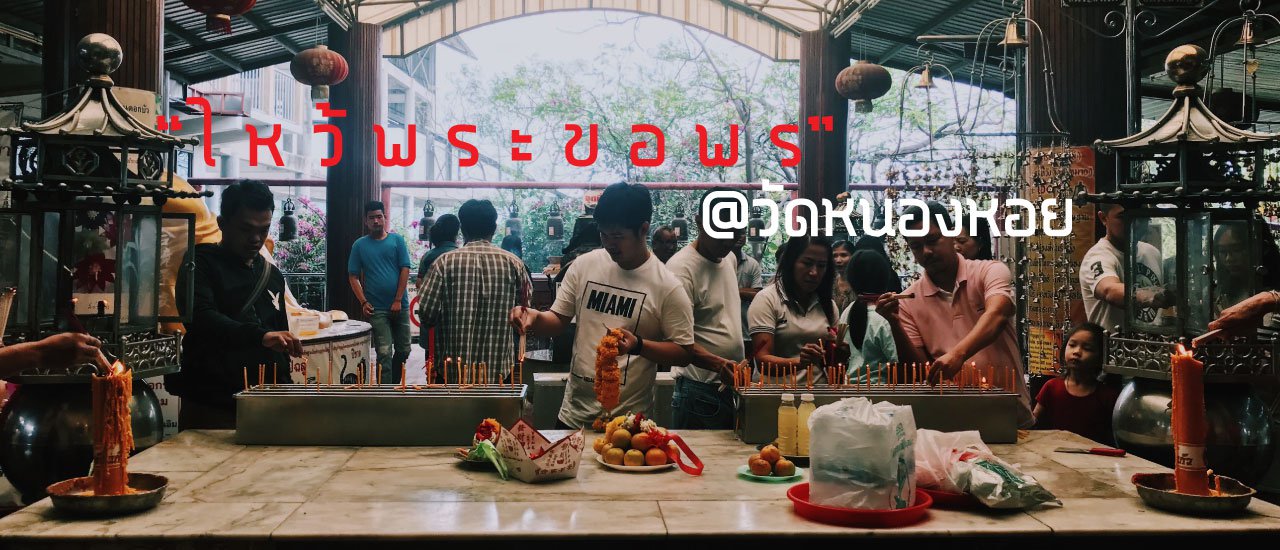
(137, 24)
(357, 179)
(1088, 75)
(824, 154)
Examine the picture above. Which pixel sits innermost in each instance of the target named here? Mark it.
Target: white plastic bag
(936, 455)
(862, 455)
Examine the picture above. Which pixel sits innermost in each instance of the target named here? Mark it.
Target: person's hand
(627, 342)
(1245, 317)
(1154, 297)
(283, 341)
(367, 309)
(945, 368)
(811, 355)
(521, 319)
(70, 348)
(842, 353)
(887, 306)
(396, 306)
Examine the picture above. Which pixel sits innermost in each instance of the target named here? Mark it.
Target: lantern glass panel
(1150, 263)
(176, 257)
(1198, 258)
(1233, 264)
(138, 272)
(15, 244)
(50, 271)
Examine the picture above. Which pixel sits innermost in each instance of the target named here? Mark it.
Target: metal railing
(309, 289)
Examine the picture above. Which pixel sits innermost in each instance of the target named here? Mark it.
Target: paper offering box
(559, 460)
(296, 414)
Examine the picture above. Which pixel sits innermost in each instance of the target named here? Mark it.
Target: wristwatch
(635, 350)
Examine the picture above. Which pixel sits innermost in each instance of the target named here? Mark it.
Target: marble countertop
(220, 491)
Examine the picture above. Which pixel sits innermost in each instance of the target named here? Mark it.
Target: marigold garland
(608, 376)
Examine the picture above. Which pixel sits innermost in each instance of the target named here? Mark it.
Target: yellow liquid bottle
(787, 425)
(802, 423)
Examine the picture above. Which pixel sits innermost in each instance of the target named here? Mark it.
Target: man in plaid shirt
(468, 295)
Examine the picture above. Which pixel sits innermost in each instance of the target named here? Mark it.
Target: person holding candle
(869, 337)
(960, 310)
(791, 316)
(1079, 401)
(703, 398)
(238, 316)
(622, 286)
(59, 350)
(468, 295)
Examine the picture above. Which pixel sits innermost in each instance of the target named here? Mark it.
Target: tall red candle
(112, 431)
(1190, 429)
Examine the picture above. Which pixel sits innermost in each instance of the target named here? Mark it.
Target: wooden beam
(947, 13)
(199, 45)
(262, 25)
(191, 38)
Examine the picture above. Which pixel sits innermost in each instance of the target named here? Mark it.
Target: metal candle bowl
(75, 496)
(1157, 490)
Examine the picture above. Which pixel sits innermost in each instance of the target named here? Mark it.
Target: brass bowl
(75, 496)
(1157, 490)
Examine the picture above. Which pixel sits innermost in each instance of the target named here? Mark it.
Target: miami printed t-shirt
(647, 300)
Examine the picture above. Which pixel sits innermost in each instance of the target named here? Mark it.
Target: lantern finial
(100, 55)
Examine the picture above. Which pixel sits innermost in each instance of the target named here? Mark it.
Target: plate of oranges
(633, 443)
(770, 466)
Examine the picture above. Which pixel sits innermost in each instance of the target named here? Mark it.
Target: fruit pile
(769, 462)
(634, 440)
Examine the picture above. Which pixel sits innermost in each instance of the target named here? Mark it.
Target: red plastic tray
(799, 495)
(952, 501)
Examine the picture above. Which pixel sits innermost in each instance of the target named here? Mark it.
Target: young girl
(869, 337)
(1077, 401)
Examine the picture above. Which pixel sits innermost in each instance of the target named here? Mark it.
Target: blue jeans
(390, 331)
(698, 406)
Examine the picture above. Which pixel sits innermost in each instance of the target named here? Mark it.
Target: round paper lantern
(319, 67)
(219, 12)
(862, 82)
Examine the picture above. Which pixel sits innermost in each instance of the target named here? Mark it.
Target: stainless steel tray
(383, 415)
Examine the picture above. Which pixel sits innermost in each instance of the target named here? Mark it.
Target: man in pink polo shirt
(961, 310)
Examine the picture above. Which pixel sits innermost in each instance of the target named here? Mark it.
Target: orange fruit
(655, 457)
(621, 438)
(760, 467)
(753, 457)
(784, 468)
(770, 454)
(633, 458)
(641, 442)
(599, 444)
(613, 456)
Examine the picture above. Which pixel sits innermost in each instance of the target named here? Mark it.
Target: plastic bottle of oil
(802, 423)
(787, 425)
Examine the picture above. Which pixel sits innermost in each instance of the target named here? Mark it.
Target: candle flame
(1182, 351)
(117, 368)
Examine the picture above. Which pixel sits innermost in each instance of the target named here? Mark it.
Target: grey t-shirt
(712, 288)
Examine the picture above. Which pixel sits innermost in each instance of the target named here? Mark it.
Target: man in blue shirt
(381, 259)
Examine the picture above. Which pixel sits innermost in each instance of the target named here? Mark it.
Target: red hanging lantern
(319, 67)
(862, 82)
(219, 12)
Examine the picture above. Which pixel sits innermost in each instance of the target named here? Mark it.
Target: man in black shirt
(238, 320)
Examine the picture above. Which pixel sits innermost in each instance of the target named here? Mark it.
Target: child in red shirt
(1077, 401)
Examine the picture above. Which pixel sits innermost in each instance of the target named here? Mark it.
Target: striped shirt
(468, 295)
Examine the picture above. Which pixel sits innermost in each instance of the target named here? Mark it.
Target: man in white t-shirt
(707, 269)
(1102, 276)
(620, 286)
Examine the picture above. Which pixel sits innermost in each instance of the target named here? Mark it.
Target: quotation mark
(828, 123)
(172, 123)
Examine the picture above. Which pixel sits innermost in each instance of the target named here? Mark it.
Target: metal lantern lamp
(1190, 186)
(680, 225)
(86, 245)
(513, 219)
